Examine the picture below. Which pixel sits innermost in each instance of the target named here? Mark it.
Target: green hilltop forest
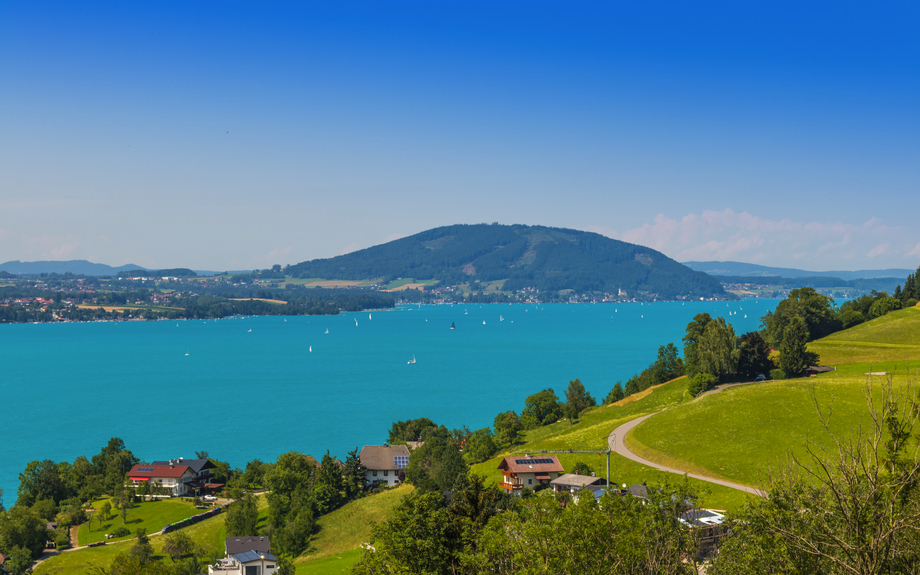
(547, 259)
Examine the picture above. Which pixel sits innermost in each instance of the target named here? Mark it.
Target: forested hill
(548, 259)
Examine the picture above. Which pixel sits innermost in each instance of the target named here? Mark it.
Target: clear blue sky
(236, 135)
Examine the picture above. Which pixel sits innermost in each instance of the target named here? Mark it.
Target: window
(374, 472)
(530, 482)
(269, 567)
(385, 473)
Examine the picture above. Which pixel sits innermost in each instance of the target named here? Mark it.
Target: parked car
(760, 377)
(209, 498)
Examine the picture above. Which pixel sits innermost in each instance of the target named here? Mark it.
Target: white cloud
(729, 235)
(352, 247)
(50, 247)
(878, 250)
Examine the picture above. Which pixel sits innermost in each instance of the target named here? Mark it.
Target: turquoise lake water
(241, 394)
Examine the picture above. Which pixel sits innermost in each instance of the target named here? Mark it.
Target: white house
(246, 556)
(178, 477)
(383, 463)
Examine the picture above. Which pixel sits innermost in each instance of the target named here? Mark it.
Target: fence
(194, 519)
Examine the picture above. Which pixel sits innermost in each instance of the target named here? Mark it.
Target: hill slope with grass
(548, 259)
(591, 432)
(742, 433)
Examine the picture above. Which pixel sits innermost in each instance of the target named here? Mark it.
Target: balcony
(511, 486)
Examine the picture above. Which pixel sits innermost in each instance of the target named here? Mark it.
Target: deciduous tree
(541, 408)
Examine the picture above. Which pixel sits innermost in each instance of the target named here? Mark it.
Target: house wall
(391, 478)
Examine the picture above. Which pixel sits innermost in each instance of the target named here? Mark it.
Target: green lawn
(335, 545)
(406, 281)
(742, 433)
(209, 533)
(151, 515)
(333, 565)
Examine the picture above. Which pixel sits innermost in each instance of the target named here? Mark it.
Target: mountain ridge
(731, 268)
(538, 257)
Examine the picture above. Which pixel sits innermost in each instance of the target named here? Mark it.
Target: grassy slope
(738, 434)
(591, 433)
(209, 533)
(335, 547)
(151, 515)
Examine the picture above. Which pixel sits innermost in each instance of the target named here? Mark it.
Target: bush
(120, 531)
(62, 541)
(909, 303)
(700, 383)
(778, 374)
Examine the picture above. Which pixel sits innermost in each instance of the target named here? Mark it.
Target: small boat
(186, 354)
(250, 330)
(466, 312)
(311, 349)
(483, 322)
(368, 316)
(327, 330)
(452, 326)
(500, 318)
(412, 360)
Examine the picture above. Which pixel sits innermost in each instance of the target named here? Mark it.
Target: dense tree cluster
(479, 530)
(668, 365)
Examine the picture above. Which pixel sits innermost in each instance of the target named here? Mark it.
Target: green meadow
(150, 515)
(209, 533)
(336, 546)
(591, 432)
(742, 433)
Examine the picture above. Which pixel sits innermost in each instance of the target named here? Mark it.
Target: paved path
(616, 442)
(724, 386)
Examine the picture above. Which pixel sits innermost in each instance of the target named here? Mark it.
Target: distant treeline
(173, 272)
(868, 284)
(321, 302)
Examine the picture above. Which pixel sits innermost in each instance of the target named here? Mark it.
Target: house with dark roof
(258, 544)
(383, 463)
(246, 556)
(528, 471)
(178, 477)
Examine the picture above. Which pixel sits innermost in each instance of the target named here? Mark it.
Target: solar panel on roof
(145, 469)
(539, 461)
(401, 461)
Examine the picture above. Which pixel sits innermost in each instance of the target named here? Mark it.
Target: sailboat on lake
(411, 361)
(452, 326)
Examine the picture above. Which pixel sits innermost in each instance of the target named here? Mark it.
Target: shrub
(909, 303)
(700, 383)
(778, 374)
(62, 541)
(120, 531)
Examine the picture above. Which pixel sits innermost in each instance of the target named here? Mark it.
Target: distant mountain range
(754, 270)
(547, 259)
(77, 267)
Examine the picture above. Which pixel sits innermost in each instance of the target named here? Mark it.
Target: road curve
(617, 444)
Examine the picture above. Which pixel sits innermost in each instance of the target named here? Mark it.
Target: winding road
(616, 442)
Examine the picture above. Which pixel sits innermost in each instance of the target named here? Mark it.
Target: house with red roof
(178, 477)
(528, 471)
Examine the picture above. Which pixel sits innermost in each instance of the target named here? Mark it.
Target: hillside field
(743, 432)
